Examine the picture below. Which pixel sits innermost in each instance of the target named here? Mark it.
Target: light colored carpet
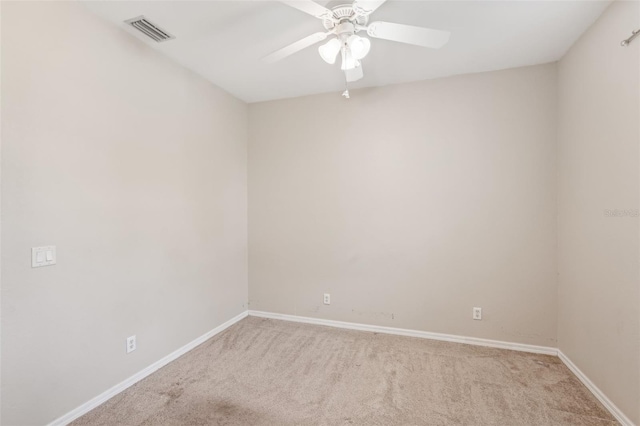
(268, 372)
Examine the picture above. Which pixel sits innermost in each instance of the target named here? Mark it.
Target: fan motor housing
(344, 12)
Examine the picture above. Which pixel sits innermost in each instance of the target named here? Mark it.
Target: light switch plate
(43, 256)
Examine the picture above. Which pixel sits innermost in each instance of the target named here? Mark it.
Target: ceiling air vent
(149, 29)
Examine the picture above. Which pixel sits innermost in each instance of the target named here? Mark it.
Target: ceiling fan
(342, 23)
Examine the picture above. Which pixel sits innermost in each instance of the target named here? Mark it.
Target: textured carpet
(268, 372)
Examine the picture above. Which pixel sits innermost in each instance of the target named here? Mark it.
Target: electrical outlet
(477, 313)
(131, 344)
(327, 299)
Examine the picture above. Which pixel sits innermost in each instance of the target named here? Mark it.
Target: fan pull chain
(345, 94)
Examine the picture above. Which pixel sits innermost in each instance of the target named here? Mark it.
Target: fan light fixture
(353, 49)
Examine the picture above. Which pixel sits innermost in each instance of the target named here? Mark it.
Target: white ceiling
(224, 41)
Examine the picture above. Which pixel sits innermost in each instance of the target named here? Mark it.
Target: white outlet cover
(327, 299)
(131, 344)
(477, 313)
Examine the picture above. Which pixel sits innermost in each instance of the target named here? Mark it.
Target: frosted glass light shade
(359, 46)
(348, 61)
(329, 50)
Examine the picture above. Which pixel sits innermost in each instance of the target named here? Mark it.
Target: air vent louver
(149, 29)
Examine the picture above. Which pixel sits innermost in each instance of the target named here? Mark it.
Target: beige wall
(599, 134)
(410, 205)
(135, 168)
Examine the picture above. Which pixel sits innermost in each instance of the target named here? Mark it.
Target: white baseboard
(411, 333)
(609, 405)
(110, 393)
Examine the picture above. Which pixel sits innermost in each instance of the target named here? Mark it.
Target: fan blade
(310, 7)
(354, 74)
(295, 47)
(366, 7)
(419, 36)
